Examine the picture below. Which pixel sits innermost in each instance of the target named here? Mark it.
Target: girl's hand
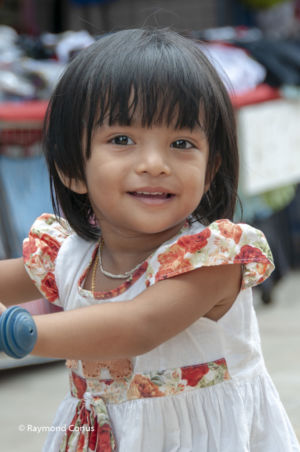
(2, 308)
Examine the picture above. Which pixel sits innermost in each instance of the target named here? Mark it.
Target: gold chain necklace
(95, 266)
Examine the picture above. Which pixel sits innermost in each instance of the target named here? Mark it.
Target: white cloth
(243, 414)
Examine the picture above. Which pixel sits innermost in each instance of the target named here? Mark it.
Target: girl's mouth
(151, 197)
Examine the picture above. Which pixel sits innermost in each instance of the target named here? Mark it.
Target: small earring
(93, 220)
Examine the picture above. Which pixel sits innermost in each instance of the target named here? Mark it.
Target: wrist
(18, 332)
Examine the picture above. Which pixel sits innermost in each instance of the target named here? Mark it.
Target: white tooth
(150, 193)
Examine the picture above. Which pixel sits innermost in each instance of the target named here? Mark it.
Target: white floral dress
(206, 389)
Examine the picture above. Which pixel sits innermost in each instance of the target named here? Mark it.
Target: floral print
(90, 429)
(194, 243)
(192, 375)
(222, 242)
(230, 230)
(151, 384)
(117, 368)
(250, 253)
(48, 287)
(172, 261)
(40, 251)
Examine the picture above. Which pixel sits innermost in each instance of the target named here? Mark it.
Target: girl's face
(145, 180)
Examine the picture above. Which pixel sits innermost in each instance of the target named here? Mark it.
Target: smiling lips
(151, 197)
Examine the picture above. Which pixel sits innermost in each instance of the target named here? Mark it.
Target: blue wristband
(18, 332)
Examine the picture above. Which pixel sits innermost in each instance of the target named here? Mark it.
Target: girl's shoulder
(45, 237)
(50, 224)
(220, 243)
(40, 251)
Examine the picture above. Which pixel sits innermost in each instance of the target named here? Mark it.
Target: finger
(2, 308)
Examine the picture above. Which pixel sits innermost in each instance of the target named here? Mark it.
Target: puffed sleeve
(221, 243)
(40, 251)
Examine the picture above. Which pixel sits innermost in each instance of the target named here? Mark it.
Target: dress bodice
(187, 393)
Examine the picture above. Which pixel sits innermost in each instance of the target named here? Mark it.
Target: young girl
(164, 352)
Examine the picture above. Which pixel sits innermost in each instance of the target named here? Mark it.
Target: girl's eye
(122, 140)
(182, 144)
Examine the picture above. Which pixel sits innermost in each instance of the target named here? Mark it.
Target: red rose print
(221, 362)
(80, 385)
(193, 243)
(171, 262)
(145, 387)
(80, 443)
(93, 436)
(104, 439)
(172, 256)
(250, 254)
(29, 248)
(230, 230)
(193, 374)
(52, 246)
(178, 267)
(36, 263)
(49, 288)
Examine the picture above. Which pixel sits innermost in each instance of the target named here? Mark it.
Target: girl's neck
(122, 251)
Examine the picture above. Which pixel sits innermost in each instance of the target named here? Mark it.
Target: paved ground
(29, 396)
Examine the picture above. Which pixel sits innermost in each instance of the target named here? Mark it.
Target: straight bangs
(150, 81)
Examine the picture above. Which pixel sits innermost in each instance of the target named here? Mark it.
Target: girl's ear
(214, 171)
(76, 185)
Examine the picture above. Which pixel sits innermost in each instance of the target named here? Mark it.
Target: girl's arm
(121, 329)
(15, 284)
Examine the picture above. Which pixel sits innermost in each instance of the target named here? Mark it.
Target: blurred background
(255, 46)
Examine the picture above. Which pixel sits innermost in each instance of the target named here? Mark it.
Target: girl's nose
(154, 162)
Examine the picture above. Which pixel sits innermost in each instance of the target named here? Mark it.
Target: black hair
(158, 74)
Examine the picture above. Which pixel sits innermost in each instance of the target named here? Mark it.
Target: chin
(158, 228)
